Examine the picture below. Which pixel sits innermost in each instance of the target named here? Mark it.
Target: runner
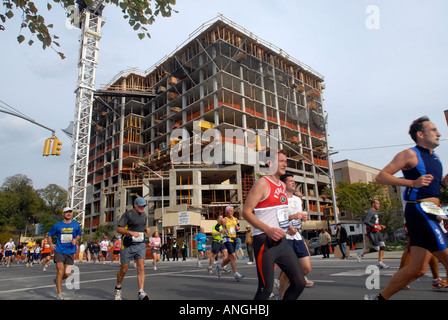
(67, 233)
(217, 243)
(46, 252)
(9, 247)
(116, 252)
(266, 209)
(82, 248)
(155, 245)
(373, 228)
(231, 227)
(200, 240)
(293, 234)
(104, 248)
(422, 170)
(30, 257)
(132, 226)
(20, 253)
(96, 251)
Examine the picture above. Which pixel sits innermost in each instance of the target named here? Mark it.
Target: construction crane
(90, 22)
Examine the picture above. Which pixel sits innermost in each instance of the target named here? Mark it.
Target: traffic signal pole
(28, 119)
(56, 149)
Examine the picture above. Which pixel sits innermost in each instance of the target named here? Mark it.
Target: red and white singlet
(273, 209)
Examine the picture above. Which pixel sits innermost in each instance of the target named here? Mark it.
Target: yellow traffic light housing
(47, 147)
(55, 151)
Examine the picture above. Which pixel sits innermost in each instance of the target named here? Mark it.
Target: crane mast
(90, 23)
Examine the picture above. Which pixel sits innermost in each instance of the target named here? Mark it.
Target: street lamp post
(163, 208)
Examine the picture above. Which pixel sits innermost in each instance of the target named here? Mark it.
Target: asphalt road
(335, 279)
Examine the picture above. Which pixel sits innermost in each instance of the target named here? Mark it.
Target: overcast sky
(378, 80)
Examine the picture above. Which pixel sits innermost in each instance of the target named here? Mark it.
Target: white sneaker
(142, 295)
(277, 284)
(309, 283)
(359, 257)
(381, 265)
(118, 294)
(238, 276)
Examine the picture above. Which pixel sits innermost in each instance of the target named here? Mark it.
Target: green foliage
(139, 14)
(5, 236)
(444, 195)
(356, 197)
(21, 206)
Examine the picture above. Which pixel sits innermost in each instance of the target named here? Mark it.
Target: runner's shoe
(238, 276)
(59, 296)
(382, 265)
(142, 295)
(309, 283)
(118, 294)
(218, 270)
(359, 257)
(439, 284)
(277, 284)
(210, 270)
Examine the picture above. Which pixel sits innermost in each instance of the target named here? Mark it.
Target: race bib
(282, 217)
(66, 238)
(140, 238)
(232, 231)
(434, 209)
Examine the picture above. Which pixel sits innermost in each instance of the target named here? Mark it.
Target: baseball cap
(67, 209)
(140, 202)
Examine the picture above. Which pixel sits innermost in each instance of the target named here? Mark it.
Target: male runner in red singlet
(266, 209)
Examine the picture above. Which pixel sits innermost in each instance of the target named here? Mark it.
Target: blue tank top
(427, 164)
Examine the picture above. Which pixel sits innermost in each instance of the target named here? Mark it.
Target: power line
(383, 147)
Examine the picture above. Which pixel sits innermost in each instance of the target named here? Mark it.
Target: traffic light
(55, 151)
(47, 147)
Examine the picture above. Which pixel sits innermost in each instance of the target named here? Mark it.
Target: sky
(384, 64)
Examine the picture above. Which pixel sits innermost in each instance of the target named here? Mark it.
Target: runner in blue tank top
(422, 172)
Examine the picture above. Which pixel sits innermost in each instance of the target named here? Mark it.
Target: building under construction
(223, 78)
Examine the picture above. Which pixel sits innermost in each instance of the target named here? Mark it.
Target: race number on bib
(434, 209)
(140, 238)
(282, 216)
(66, 238)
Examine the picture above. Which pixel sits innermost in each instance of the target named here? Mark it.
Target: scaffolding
(223, 77)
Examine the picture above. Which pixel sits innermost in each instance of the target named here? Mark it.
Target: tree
(19, 202)
(356, 197)
(55, 198)
(444, 195)
(138, 13)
